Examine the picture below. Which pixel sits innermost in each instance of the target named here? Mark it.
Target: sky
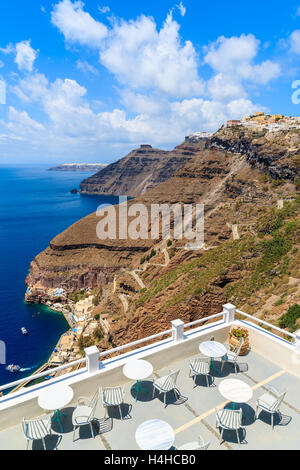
(85, 81)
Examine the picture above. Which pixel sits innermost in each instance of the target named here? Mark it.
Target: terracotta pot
(234, 342)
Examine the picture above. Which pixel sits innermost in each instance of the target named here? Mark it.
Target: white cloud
(25, 56)
(104, 9)
(7, 49)
(86, 68)
(162, 95)
(77, 25)
(181, 8)
(234, 56)
(142, 57)
(295, 41)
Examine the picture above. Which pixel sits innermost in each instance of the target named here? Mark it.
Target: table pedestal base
(56, 417)
(212, 365)
(138, 387)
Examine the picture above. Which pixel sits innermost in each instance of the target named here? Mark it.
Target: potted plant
(235, 336)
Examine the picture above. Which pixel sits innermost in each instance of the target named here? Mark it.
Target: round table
(155, 435)
(236, 391)
(54, 398)
(137, 369)
(213, 349)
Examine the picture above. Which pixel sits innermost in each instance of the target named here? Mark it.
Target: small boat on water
(24, 331)
(13, 368)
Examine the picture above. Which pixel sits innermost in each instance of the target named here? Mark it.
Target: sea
(35, 206)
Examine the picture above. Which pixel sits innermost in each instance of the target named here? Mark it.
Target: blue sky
(89, 81)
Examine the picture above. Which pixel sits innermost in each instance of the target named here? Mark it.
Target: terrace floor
(189, 418)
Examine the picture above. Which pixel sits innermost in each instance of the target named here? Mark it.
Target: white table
(213, 349)
(155, 435)
(55, 398)
(137, 369)
(236, 391)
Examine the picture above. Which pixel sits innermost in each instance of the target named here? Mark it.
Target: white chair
(229, 420)
(36, 429)
(84, 413)
(200, 366)
(199, 445)
(113, 396)
(166, 384)
(270, 404)
(232, 356)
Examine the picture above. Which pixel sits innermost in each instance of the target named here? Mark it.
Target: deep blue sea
(35, 205)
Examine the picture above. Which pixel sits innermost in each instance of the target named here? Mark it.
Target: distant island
(78, 167)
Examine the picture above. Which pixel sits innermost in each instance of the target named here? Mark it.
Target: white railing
(135, 343)
(268, 325)
(42, 374)
(202, 320)
(93, 355)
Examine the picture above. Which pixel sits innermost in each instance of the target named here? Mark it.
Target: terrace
(272, 361)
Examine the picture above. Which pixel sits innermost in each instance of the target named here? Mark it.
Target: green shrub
(288, 319)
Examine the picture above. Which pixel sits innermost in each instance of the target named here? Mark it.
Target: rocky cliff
(276, 153)
(248, 184)
(141, 170)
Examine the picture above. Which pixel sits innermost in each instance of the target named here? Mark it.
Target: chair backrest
(170, 380)
(202, 444)
(93, 403)
(238, 348)
(199, 361)
(35, 428)
(231, 419)
(278, 402)
(112, 395)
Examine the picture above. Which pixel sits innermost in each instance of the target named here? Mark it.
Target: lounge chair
(270, 404)
(37, 429)
(232, 356)
(200, 366)
(199, 445)
(166, 384)
(229, 420)
(113, 396)
(84, 413)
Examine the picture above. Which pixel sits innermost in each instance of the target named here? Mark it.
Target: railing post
(297, 341)
(178, 330)
(229, 312)
(92, 362)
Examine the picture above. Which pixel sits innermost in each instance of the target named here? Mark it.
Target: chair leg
(165, 398)
(120, 411)
(44, 445)
(27, 440)
(74, 433)
(92, 431)
(238, 437)
(153, 392)
(272, 420)
(207, 380)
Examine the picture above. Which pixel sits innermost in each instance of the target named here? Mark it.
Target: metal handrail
(269, 325)
(140, 341)
(135, 343)
(42, 374)
(202, 320)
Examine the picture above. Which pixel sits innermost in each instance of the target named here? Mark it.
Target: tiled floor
(190, 416)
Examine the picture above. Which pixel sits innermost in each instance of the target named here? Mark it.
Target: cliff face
(276, 153)
(232, 178)
(138, 172)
